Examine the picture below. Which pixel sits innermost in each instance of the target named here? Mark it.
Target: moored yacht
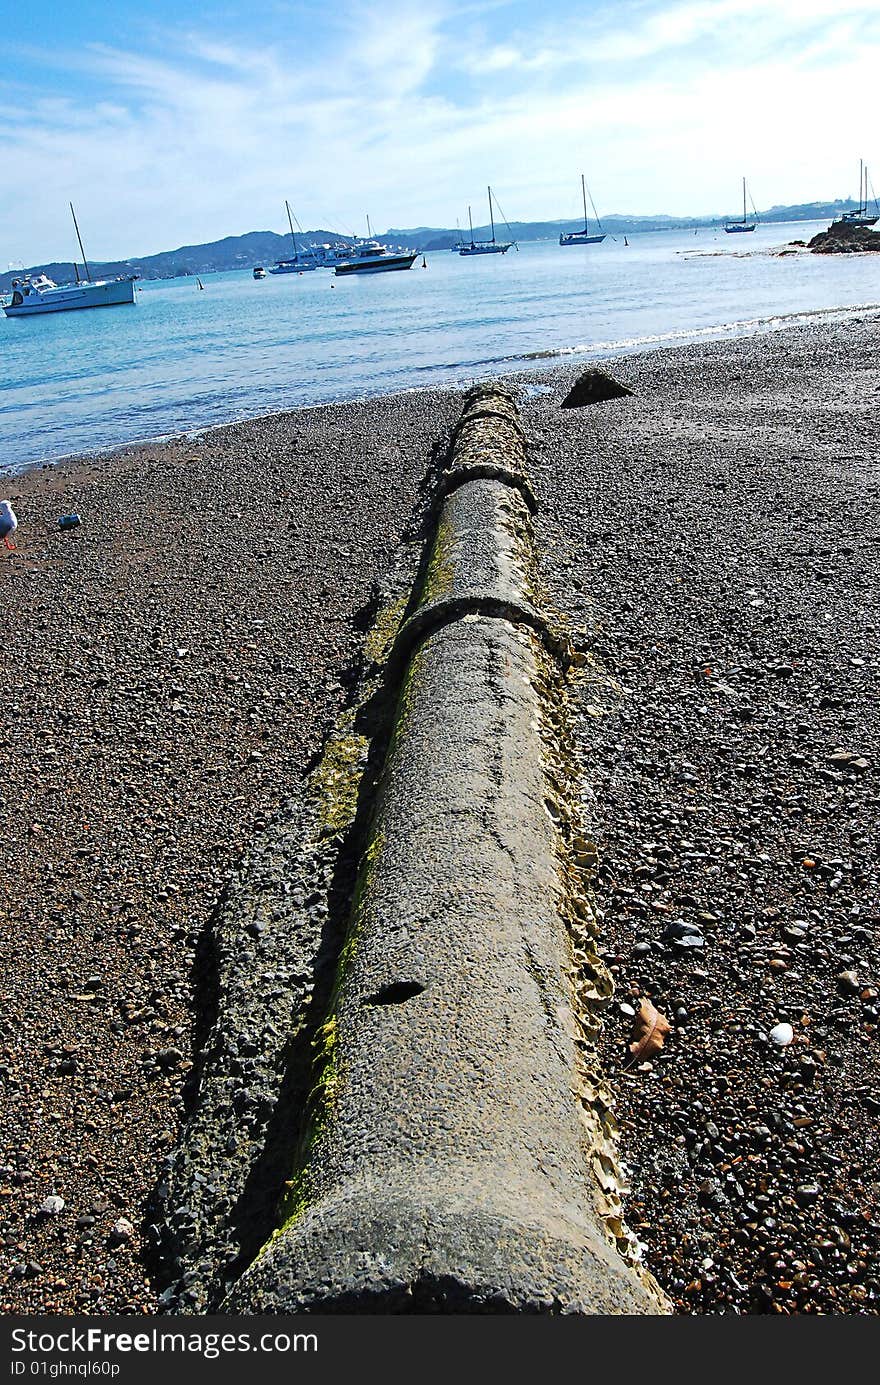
(40, 294)
(485, 247)
(372, 257)
(300, 263)
(586, 236)
(860, 216)
(37, 293)
(734, 227)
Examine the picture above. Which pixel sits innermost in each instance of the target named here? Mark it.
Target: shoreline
(600, 353)
(180, 659)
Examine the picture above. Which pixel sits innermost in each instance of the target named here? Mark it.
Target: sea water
(184, 359)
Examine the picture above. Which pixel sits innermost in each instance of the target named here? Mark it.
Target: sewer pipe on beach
(448, 1165)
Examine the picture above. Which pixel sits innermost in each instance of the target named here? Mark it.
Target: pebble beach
(174, 664)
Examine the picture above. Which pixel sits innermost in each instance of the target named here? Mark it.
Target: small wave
(681, 336)
(549, 355)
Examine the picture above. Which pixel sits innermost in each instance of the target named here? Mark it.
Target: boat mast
(81, 251)
(584, 191)
(863, 197)
(491, 217)
(860, 186)
(292, 236)
(744, 201)
(471, 224)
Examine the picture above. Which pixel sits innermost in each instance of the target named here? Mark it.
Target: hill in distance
(265, 247)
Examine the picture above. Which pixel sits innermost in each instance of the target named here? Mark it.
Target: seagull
(8, 523)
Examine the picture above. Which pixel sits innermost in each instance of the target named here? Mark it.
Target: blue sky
(169, 124)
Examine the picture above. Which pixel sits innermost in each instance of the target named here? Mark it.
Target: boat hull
(378, 266)
(738, 230)
(483, 249)
(110, 293)
(579, 238)
(293, 269)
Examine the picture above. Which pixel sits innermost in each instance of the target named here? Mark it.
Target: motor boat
(38, 293)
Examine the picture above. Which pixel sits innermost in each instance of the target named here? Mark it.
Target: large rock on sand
(593, 387)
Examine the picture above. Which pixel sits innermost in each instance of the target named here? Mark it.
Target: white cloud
(408, 114)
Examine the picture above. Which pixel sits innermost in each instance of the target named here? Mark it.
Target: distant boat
(860, 217)
(199, 282)
(259, 272)
(733, 227)
(32, 294)
(372, 257)
(584, 237)
(485, 247)
(300, 264)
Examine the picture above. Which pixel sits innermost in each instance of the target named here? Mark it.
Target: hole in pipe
(395, 993)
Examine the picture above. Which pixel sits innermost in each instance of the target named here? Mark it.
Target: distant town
(259, 247)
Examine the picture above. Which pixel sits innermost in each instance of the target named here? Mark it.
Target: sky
(170, 124)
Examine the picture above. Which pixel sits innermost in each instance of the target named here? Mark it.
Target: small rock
(781, 1035)
(848, 982)
(678, 928)
(122, 1230)
(169, 1057)
(805, 1193)
(52, 1205)
(683, 935)
(593, 387)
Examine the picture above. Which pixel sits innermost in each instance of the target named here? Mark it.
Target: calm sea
(182, 359)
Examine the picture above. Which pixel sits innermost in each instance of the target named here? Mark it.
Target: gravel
(174, 665)
(177, 660)
(717, 535)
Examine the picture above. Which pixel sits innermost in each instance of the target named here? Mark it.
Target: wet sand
(176, 662)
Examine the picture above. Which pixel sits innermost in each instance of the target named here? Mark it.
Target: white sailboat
(485, 247)
(300, 264)
(584, 237)
(860, 216)
(33, 294)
